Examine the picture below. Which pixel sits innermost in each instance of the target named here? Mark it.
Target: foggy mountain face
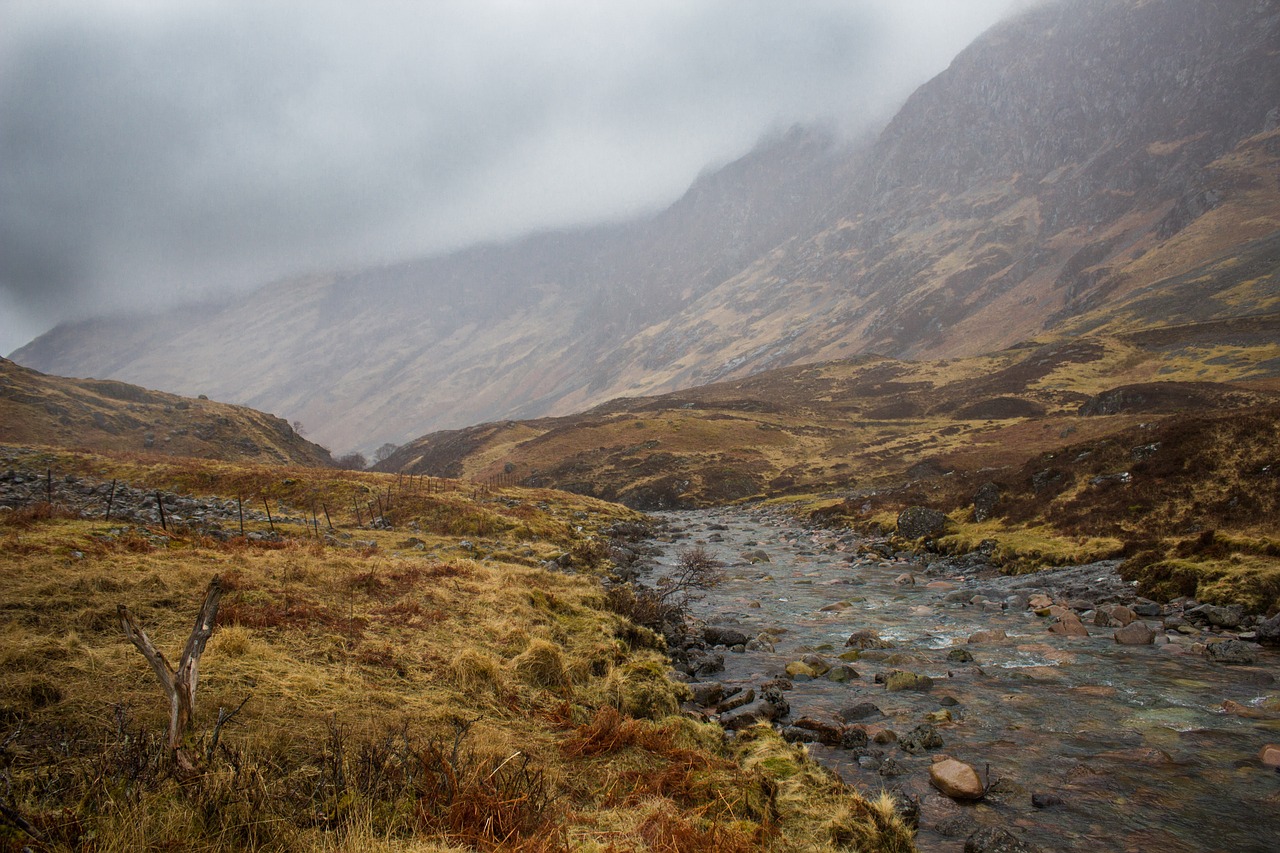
(1089, 164)
(153, 152)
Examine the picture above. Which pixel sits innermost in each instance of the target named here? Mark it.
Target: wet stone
(867, 638)
(861, 711)
(997, 840)
(1233, 652)
(898, 680)
(723, 635)
(1045, 801)
(922, 738)
(1135, 634)
(956, 779)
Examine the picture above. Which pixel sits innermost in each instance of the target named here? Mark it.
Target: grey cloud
(153, 151)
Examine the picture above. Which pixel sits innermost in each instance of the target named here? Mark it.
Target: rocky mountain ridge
(1090, 164)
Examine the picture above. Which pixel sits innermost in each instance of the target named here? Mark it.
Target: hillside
(866, 422)
(1088, 165)
(99, 414)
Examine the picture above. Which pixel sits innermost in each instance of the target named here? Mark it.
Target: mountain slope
(105, 415)
(1093, 164)
(867, 422)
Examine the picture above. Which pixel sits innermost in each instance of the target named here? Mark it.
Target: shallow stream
(1129, 745)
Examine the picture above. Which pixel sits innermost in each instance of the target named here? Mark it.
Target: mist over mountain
(1088, 164)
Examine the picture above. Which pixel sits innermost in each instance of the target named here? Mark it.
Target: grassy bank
(426, 687)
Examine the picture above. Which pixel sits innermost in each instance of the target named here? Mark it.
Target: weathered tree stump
(179, 685)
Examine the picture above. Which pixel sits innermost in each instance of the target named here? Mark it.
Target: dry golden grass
(399, 699)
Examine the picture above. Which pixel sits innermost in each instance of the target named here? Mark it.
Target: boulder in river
(866, 638)
(1069, 625)
(956, 779)
(737, 700)
(860, 711)
(759, 711)
(800, 669)
(1268, 631)
(922, 738)
(997, 840)
(816, 663)
(959, 656)
(920, 522)
(1135, 634)
(993, 635)
(1269, 755)
(825, 733)
(724, 635)
(1232, 652)
(1221, 617)
(898, 680)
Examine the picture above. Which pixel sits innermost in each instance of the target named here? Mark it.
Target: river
(1126, 748)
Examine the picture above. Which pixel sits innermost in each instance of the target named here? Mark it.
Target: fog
(152, 152)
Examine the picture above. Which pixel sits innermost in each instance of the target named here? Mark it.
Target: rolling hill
(105, 415)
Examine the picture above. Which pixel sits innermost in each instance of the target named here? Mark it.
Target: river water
(1130, 745)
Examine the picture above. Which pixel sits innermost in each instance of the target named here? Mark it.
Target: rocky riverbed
(1055, 711)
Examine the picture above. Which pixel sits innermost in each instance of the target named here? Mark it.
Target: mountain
(1088, 166)
(105, 415)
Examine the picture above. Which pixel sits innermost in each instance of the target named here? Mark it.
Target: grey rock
(759, 711)
(1232, 652)
(922, 738)
(707, 693)
(1268, 631)
(997, 840)
(985, 501)
(723, 635)
(919, 522)
(1222, 617)
(861, 711)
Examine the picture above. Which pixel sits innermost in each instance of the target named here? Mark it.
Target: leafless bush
(663, 608)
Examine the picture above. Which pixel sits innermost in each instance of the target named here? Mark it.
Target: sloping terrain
(1091, 165)
(869, 422)
(107, 415)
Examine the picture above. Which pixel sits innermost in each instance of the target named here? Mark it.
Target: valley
(916, 490)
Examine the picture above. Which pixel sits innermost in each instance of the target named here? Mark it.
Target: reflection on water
(1132, 739)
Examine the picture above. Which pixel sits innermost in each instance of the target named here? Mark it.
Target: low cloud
(153, 151)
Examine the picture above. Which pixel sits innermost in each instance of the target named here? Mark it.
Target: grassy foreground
(427, 687)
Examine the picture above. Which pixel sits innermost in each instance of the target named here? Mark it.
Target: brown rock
(1135, 634)
(1270, 755)
(1069, 625)
(1121, 614)
(991, 636)
(1039, 601)
(956, 779)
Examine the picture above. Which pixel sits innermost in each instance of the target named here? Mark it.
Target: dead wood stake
(179, 685)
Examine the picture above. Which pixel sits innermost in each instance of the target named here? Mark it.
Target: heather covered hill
(869, 422)
(99, 414)
(1086, 165)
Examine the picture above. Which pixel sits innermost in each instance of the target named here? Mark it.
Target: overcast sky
(153, 150)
